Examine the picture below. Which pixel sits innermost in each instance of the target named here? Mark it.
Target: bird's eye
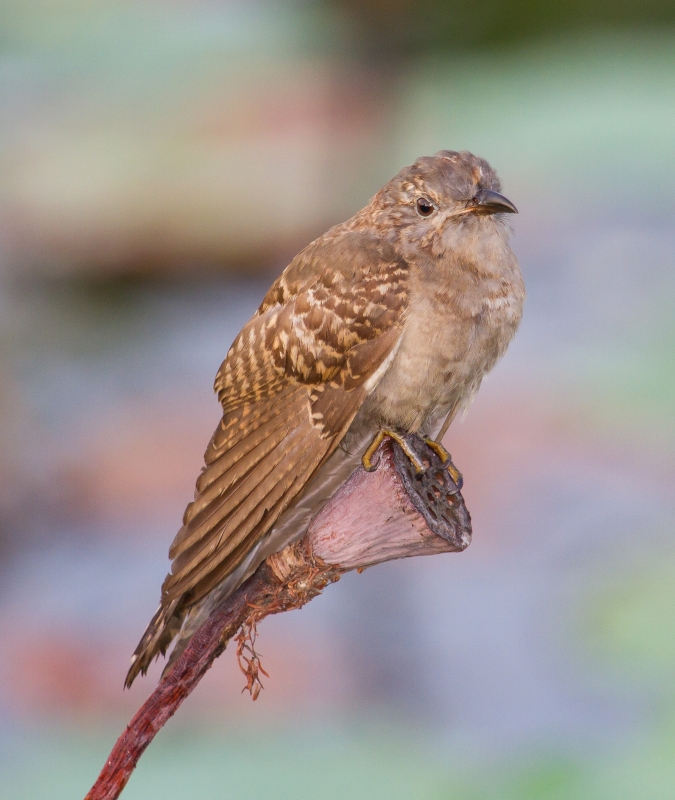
(475, 199)
(425, 208)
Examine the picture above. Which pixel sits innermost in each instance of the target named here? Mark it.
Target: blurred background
(160, 163)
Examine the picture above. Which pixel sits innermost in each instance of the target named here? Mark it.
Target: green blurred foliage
(395, 28)
(628, 623)
(632, 393)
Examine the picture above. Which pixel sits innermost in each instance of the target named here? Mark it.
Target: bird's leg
(445, 457)
(382, 434)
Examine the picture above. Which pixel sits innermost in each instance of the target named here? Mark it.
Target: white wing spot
(377, 376)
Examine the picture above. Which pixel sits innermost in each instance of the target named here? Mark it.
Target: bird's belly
(438, 368)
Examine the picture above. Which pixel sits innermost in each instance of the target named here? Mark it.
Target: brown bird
(386, 324)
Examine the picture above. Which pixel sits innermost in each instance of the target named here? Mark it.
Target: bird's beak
(493, 203)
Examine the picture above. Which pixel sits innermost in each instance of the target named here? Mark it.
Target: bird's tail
(159, 634)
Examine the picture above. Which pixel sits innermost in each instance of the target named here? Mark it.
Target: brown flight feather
(290, 387)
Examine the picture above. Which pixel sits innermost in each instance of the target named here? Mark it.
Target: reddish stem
(204, 647)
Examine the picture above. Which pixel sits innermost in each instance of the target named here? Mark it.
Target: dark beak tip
(497, 203)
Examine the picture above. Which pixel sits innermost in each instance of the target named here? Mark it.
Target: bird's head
(443, 199)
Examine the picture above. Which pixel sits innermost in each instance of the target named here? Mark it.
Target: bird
(383, 326)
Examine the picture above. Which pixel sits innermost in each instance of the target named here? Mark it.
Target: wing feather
(229, 488)
(275, 489)
(249, 498)
(290, 387)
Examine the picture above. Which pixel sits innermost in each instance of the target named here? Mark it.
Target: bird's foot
(446, 458)
(382, 434)
(438, 448)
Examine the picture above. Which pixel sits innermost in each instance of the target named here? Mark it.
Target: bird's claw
(437, 447)
(446, 458)
(382, 434)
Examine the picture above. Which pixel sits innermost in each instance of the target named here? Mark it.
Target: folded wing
(290, 387)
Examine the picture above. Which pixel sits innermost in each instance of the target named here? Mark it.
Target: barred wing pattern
(290, 387)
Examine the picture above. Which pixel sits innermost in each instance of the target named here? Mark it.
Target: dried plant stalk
(375, 517)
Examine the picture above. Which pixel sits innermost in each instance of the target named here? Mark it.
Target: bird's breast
(453, 335)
